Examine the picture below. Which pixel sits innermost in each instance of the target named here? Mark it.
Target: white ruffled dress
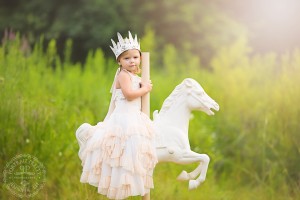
(118, 155)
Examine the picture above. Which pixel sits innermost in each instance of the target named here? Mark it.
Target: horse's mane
(172, 98)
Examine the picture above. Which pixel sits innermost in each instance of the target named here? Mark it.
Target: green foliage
(92, 23)
(253, 141)
(258, 129)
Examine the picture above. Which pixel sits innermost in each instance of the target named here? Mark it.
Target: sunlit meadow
(253, 141)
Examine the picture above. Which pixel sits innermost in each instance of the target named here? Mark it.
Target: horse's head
(197, 99)
(190, 94)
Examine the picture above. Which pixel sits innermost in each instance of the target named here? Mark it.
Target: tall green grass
(253, 141)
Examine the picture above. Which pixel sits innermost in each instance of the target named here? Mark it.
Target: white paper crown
(125, 44)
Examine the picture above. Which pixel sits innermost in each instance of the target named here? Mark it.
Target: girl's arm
(125, 83)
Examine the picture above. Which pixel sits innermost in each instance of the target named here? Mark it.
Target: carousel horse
(171, 125)
(171, 128)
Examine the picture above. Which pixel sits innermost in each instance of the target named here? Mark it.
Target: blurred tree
(91, 23)
(197, 23)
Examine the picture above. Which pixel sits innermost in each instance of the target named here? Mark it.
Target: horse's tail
(82, 136)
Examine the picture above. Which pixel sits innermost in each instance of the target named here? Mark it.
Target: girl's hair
(138, 70)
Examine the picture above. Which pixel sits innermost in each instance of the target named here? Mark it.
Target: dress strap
(130, 74)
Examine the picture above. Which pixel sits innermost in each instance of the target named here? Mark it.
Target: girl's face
(130, 60)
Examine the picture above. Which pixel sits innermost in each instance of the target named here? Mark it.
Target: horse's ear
(155, 113)
(188, 82)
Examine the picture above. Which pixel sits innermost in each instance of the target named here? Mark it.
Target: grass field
(253, 141)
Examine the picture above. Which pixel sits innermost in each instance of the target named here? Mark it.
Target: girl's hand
(124, 81)
(147, 86)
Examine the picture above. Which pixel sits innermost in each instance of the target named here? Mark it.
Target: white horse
(171, 127)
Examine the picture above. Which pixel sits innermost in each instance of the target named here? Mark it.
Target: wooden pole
(146, 97)
(145, 78)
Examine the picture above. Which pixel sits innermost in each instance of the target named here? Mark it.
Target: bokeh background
(56, 71)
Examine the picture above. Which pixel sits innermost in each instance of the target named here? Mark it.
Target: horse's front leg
(185, 176)
(192, 157)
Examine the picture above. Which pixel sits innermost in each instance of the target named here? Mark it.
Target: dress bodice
(120, 99)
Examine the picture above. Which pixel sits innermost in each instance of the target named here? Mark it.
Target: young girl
(118, 154)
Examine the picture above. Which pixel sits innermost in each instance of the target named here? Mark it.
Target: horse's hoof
(183, 176)
(193, 184)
